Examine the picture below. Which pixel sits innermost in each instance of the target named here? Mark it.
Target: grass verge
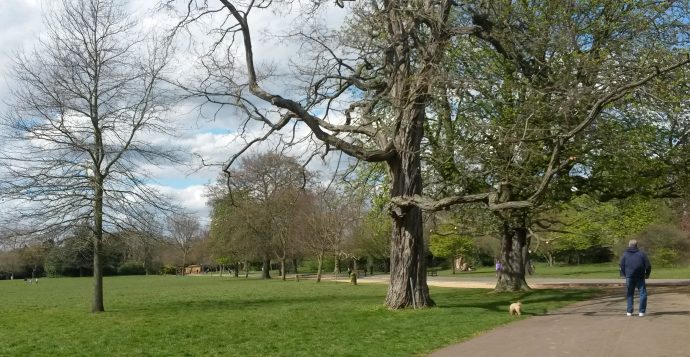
(211, 316)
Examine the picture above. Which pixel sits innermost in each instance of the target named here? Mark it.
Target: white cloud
(215, 138)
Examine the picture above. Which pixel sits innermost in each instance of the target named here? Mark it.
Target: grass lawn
(212, 316)
(584, 271)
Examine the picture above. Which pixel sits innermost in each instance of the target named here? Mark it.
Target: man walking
(635, 267)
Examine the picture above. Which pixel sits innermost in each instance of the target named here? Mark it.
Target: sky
(213, 139)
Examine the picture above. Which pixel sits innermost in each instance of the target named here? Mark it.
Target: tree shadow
(541, 296)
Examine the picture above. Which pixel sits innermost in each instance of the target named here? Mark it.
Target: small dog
(515, 308)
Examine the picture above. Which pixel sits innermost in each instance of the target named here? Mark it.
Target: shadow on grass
(500, 301)
(612, 272)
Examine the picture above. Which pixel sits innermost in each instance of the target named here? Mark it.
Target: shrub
(131, 268)
(665, 244)
(666, 257)
(168, 269)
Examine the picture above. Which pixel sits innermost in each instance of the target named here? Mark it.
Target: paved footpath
(592, 328)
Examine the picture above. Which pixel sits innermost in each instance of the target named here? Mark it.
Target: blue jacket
(635, 264)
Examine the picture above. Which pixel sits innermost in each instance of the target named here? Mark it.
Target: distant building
(193, 269)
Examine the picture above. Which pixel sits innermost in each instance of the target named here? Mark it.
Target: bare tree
(274, 185)
(83, 103)
(382, 64)
(184, 231)
(329, 220)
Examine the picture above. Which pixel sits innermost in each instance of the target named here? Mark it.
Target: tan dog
(515, 308)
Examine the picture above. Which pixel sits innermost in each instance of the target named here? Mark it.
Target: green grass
(211, 316)
(605, 271)
(584, 271)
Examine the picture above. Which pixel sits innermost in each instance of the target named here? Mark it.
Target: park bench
(432, 271)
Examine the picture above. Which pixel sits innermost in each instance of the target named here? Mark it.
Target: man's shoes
(641, 314)
(629, 314)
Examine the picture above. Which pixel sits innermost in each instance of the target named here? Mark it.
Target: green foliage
(168, 269)
(175, 316)
(666, 245)
(586, 224)
(444, 243)
(312, 266)
(131, 268)
(667, 257)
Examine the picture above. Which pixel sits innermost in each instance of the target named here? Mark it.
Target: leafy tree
(264, 194)
(229, 236)
(445, 242)
(532, 84)
(557, 65)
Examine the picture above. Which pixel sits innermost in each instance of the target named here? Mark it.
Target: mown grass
(583, 271)
(212, 316)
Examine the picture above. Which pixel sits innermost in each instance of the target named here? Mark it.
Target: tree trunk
(97, 305)
(318, 270)
(294, 264)
(282, 269)
(246, 270)
(184, 262)
(236, 270)
(513, 230)
(336, 264)
(408, 255)
(453, 261)
(266, 269)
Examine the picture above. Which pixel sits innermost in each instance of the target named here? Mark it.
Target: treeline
(580, 231)
(124, 253)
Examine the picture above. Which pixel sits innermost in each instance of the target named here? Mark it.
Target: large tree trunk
(408, 261)
(266, 269)
(511, 277)
(282, 268)
(97, 305)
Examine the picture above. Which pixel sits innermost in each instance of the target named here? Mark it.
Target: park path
(592, 328)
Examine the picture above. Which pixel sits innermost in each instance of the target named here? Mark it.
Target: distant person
(635, 267)
(498, 267)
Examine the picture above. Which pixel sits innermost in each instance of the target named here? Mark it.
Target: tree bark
(319, 269)
(184, 263)
(513, 230)
(407, 246)
(282, 269)
(97, 305)
(336, 264)
(266, 269)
